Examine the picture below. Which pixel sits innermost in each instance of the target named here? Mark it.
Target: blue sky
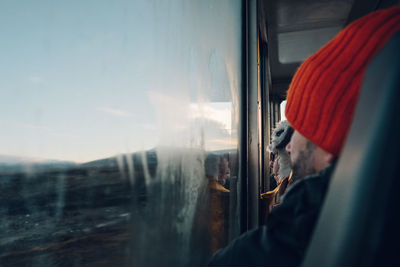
(82, 80)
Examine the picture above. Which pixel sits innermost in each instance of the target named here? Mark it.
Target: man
(281, 169)
(212, 211)
(320, 106)
(224, 171)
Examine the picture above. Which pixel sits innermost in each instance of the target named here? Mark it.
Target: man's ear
(322, 159)
(329, 158)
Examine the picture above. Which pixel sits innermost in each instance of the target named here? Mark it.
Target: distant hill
(10, 163)
(151, 157)
(15, 163)
(110, 162)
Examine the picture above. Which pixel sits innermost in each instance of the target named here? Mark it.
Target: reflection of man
(320, 106)
(217, 170)
(224, 170)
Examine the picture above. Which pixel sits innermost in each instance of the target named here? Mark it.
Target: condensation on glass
(119, 131)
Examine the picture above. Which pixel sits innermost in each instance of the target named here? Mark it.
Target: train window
(282, 108)
(119, 131)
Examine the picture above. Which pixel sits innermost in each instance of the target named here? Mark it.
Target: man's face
(224, 171)
(275, 167)
(271, 164)
(302, 156)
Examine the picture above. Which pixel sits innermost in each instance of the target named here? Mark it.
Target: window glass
(119, 123)
(282, 108)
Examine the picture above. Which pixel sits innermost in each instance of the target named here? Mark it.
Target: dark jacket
(284, 239)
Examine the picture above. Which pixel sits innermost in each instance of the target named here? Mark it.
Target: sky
(84, 80)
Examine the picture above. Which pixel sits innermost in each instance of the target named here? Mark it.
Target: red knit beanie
(322, 96)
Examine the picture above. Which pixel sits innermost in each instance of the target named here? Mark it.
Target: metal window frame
(265, 98)
(252, 130)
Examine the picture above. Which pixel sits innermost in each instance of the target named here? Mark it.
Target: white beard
(284, 164)
(282, 128)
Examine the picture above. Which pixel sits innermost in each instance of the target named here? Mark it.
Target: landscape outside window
(119, 131)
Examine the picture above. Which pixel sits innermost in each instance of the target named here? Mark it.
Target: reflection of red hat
(322, 96)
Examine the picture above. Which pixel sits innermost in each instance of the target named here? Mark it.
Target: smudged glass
(119, 131)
